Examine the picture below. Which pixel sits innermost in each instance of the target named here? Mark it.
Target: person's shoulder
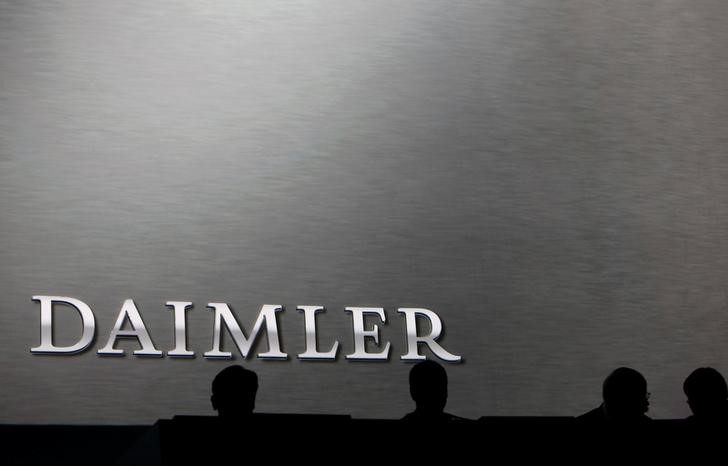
(409, 416)
(452, 417)
(414, 416)
(595, 415)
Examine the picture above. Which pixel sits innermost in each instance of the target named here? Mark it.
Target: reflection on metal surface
(360, 334)
(266, 321)
(180, 330)
(267, 317)
(413, 339)
(312, 352)
(46, 325)
(138, 331)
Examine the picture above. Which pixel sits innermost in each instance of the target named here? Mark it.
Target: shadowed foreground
(211, 440)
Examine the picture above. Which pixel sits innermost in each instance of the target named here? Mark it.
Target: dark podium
(208, 440)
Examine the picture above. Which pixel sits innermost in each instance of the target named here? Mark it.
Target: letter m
(266, 317)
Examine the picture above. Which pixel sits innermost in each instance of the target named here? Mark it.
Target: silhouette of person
(233, 392)
(707, 396)
(625, 400)
(428, 388)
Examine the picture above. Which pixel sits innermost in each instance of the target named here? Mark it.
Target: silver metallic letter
(267, 315)
(360, 352)
(180, 330)
(309, 313)
(138, 331)
(412, 338)
(46, 326)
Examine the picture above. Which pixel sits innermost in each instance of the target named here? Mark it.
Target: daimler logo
(224, 316)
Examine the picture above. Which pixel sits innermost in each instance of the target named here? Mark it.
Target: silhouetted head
(428, 387)
(233, 392)
(706, 391)
(625, 394)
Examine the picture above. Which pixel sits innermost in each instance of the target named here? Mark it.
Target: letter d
(46, 325)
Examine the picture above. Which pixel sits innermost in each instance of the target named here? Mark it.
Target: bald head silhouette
(233, 392)
(428, 388)
(625, 395)
(707, 394)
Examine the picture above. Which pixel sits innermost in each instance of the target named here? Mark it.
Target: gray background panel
(549, 176)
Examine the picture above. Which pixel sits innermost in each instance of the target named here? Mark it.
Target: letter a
(138, 331)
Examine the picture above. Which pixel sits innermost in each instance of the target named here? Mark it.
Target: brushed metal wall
(547, 175)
